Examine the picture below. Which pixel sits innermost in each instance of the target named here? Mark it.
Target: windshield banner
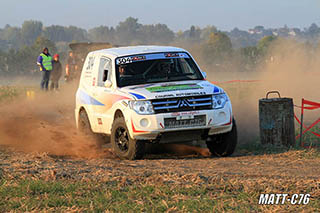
(137, 58)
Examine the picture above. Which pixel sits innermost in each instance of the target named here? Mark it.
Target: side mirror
(107, 83)
(204, 74)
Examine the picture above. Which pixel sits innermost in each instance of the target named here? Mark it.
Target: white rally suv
(152, 94)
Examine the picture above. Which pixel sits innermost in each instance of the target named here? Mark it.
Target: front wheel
(223, 144)
(122, 144)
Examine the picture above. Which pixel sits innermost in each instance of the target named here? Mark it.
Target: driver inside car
(122, 71)
(165, 67)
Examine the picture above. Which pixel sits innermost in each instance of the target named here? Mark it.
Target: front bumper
(150, 127)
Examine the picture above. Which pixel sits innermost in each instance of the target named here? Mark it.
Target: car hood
(172, 89)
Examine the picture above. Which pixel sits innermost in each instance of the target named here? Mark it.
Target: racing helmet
(165, 66)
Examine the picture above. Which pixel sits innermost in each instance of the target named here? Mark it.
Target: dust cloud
(290, 67)
(46, 124)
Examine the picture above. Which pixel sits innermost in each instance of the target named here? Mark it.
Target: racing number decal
(90, 63)
(128, 60)
(124, 60)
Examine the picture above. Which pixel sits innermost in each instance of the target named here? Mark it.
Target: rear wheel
(84, 123)
(123, 146)
(85, 128)
(223, 144)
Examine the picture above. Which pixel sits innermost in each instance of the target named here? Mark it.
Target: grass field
(223, 195)
(149, 191)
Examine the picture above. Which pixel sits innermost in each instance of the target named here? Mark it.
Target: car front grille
(181, 104)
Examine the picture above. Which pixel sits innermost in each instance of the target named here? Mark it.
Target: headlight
(142, 107)
(219, 100)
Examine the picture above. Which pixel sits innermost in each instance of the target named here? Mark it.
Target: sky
(177, 14)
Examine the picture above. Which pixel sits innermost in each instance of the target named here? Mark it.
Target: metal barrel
(276, 118)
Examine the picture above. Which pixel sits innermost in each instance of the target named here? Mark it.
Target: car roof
(134, 50)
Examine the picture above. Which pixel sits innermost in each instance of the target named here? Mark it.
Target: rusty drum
(276, 118)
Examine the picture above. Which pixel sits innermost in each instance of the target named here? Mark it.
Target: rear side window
(105, 68)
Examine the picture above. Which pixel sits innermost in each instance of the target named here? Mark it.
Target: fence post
(301, 126)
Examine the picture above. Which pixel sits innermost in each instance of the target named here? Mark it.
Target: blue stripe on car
(137, 95)
(87, 99)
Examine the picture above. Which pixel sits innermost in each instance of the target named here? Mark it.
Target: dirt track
(292, 165)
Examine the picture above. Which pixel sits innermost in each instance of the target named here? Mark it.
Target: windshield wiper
(184, 74)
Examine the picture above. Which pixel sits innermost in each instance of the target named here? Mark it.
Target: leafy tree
(57, 33)
(13, 36)
(218, 48)
(42, 42)
(102, 34)
(77, 34)
(12, 61)
(264, 44)
(128, 31)
(259, 28)
(207, 31)
(250, 56)
(30, 31)
(156, 34)
(313, 33)
(313, 29)
(3, 63)
(193, 34)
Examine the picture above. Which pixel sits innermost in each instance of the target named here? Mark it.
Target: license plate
(198, 120)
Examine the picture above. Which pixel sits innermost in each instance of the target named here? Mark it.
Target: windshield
(156, 67)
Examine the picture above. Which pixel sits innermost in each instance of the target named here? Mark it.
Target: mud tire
(84, 123)
(85, 128)
(223, 145)
(129, 149)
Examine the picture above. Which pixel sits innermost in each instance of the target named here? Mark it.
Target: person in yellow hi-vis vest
(45, 63)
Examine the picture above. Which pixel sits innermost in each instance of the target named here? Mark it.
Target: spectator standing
(56, 73)
(45, 63)
(71, 67)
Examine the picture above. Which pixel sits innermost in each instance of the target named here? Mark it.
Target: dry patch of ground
(38, 181)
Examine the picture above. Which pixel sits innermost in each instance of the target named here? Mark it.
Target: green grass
(221, 195)
(256, 148)
(310, 139)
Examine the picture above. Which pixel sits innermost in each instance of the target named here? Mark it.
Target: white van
(152, 94)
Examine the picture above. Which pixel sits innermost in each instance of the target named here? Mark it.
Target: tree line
(19, 46)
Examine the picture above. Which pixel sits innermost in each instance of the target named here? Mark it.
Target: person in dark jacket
(45, 63)
(55, 73)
